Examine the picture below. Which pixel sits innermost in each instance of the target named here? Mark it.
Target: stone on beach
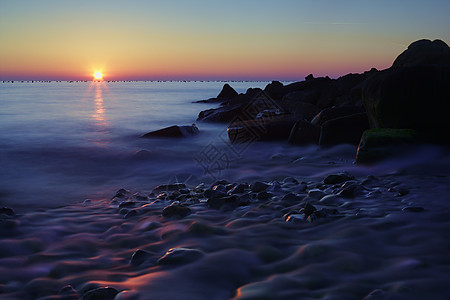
(102, 293)
(176, 210)
(177, 256)
(174, 132)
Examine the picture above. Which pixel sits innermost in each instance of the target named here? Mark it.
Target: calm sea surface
(63, 142)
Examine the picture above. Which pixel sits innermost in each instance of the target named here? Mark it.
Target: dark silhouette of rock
(260, 130)
(174, 131)
(416, 97)
(274, 90)
(227, 92)
(334, 112)
(304, 133)
(381, 143)
(423, 52)
(344, 130)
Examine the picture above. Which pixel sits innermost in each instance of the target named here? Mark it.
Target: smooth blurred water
(61, 142)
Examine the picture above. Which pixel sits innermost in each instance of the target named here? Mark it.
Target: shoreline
(339, 237)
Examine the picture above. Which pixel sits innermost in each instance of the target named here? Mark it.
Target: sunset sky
(210, 39)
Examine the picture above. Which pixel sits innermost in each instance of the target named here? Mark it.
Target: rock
(344, 130)
(274, 90)
(302, 110)
(176, 210)
(350, 190)
(316, 194)
(102, 293)
(7, 211)
(263, 195)
(227, 202)
(413, 209)
(178, 256)
(222, 114)
(128, 295)
(68, 290)
(227, 92)
(414, 93)
(416, 97)
(304, 133)
(308, 210)
(423, 52)
(338, 178)
(127, 204)
(174, 131)
(259, 186)
(291, 197)
(335, 112)
(276, 128)
(139, 257)
(381, 143)
(130, 214)
(238, 189)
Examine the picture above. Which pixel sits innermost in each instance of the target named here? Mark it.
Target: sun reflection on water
(101, 124)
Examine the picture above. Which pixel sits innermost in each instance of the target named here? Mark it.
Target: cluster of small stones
(336, 196)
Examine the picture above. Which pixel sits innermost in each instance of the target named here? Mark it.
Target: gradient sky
(210, 39)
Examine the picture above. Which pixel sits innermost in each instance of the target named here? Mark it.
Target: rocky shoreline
(342, 237)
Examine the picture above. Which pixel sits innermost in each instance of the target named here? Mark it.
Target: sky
(210, 39)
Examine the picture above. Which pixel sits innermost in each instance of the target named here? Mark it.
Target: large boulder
(227, 92)
(174, 131)
(304, 133)
(260, 129)
(344, 130)
(416, 97)
(424, 52)
(414, 93)
(382, 143)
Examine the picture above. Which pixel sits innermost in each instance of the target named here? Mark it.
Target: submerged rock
(102, 293)
(139, 257)
(338, 178)
(174, 131)
(178, 256)
(176, 210)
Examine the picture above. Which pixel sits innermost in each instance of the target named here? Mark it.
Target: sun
(98, 76)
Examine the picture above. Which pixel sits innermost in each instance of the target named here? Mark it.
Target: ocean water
(63, 142)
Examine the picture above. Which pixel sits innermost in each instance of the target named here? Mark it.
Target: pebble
(102, 293)
(316, 194)
(139, 257)
(259, 186)
(263, 195)
(176, 210)
(413, 209)
(338, 178)
(176, 256)
(7, 211)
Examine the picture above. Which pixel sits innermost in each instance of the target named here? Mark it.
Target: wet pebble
(139, 257)
(68, 290)
(127, 204)
(238, 189)
(7, 211)
(176, 210)
(413, 209)
(259, 186)
(102, 293)
(177, 256)
(263, 195)
(338, 178)
(316, 194)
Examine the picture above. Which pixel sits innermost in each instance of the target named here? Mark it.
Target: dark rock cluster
(413, 94)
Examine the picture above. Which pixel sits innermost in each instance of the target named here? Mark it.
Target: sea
(64, 142)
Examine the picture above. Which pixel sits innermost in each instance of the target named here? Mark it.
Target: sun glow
(98, 76)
